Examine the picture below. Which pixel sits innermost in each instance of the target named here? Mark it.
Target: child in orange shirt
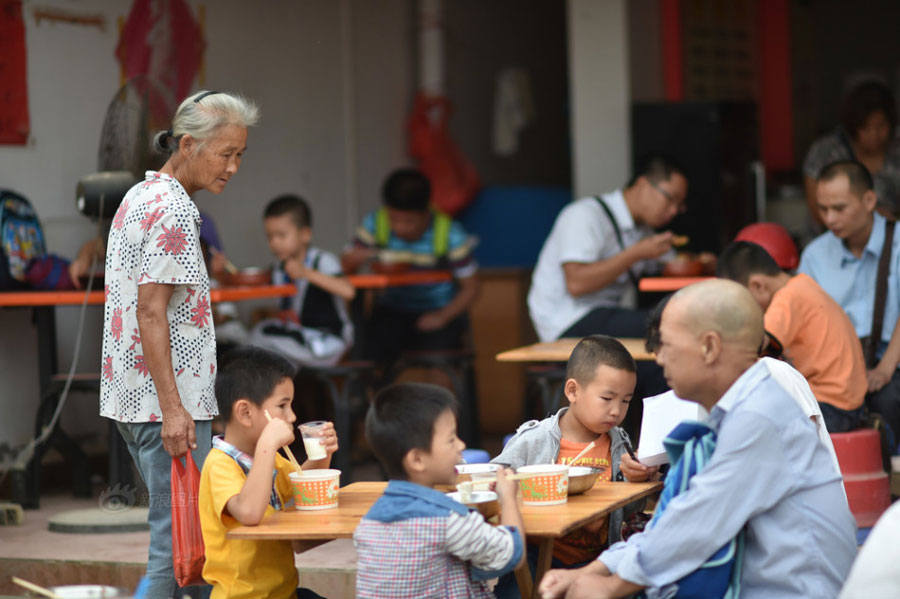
(817, 335)
(600, 379)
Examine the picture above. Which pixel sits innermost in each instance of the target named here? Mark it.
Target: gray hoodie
(537, 442)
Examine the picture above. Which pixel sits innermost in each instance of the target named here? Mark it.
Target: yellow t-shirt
(235, 567)
(585, 543)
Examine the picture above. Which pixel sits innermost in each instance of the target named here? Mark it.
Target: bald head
(722, 306)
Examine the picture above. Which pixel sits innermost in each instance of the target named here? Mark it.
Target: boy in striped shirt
(415, 541)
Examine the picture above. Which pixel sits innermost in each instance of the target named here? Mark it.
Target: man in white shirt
(584, 281)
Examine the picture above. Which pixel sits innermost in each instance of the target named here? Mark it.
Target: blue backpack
(21, 239)
(690, 446)
(24, 261)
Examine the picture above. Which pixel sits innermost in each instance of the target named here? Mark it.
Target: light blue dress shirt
(851, 280)
(769, 473)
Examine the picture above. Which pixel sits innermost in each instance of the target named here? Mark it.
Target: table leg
(523, 578)
(545, 556)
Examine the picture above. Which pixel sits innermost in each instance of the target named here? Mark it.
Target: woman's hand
(178, 434)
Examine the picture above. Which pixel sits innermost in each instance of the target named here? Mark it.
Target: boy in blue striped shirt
(415, 541)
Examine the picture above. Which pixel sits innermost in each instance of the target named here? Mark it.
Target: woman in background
(867, 133)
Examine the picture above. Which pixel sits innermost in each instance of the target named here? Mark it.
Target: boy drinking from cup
(600, 379)
(415, 541)
(244, 478)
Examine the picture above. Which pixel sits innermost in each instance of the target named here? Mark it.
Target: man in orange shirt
(817, 335)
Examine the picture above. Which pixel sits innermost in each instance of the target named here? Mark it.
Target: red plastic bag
(188, 552)
(454, 181)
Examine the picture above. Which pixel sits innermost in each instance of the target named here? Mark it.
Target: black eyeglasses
(679, 206)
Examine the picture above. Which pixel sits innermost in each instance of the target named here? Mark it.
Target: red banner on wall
(14, 122)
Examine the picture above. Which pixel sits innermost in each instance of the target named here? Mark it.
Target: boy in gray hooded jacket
(600, 379)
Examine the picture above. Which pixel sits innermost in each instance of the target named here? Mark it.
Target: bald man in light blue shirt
(769, 474)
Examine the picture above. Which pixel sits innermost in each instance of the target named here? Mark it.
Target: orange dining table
(545, 523)
(561, 349)
(667, 284)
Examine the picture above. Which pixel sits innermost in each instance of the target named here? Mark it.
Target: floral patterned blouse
(155, 238)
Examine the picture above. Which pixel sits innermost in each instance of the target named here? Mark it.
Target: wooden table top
(227, 294)
(561, 349)
(665, 284)
(356, 499)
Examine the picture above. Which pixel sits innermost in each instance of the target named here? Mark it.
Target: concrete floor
(32, 552)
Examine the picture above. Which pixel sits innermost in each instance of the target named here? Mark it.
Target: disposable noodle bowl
(316, 489)
(549, 484)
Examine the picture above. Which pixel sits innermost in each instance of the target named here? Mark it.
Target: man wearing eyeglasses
(585, 281)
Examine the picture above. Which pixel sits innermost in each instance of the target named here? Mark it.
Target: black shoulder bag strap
(615, 225)
(884, 266)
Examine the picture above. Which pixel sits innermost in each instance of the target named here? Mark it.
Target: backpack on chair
(24, 261)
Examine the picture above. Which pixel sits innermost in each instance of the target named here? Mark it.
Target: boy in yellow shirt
(244, 478)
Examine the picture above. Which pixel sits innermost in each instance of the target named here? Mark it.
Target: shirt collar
(245, 461)
(736, 392)
(876, 237)
(416, 491)
(616, 202)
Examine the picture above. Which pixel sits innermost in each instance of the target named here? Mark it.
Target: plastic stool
(867, 484)
(476, 456)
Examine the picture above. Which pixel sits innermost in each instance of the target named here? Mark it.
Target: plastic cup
(313, 434)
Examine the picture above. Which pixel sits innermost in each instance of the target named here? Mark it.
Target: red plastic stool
(867, 484)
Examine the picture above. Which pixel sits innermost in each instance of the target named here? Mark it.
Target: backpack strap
(441, 243)
(441, 226)
(382, 227)
(615, 226)
(884, 267)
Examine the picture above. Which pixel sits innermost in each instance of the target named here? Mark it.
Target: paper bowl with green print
(547, 484)
(582, 478)
(316, 489)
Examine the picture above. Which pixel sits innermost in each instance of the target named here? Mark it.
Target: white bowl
(485, 502)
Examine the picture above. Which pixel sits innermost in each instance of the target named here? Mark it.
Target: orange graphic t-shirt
(587, 542)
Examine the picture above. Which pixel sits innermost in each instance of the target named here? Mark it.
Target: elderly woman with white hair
(159, 347)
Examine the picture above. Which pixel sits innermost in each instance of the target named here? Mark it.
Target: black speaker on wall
(717, 144)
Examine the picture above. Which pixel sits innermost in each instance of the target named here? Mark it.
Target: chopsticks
(581, 453)
(288, 451)
(35, 588)
(229, 266)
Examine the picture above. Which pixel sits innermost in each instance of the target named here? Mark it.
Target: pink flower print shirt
(155, 238)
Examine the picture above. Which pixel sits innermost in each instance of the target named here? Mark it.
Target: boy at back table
(244, 478)
(600, 379)
(406, 231)
(313, 327)
(415, 542)
(817, 335)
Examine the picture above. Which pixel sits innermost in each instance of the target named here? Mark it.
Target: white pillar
(599, 95)
(431, 47)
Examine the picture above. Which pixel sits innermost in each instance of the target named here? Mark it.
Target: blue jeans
(155, 465)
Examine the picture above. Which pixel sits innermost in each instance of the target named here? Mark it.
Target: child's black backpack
(21, 239)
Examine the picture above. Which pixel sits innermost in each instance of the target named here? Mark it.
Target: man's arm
(178, 435)
(879, 376)
(556, 583)
(583, 278)
(747, 475)
(464, 298)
